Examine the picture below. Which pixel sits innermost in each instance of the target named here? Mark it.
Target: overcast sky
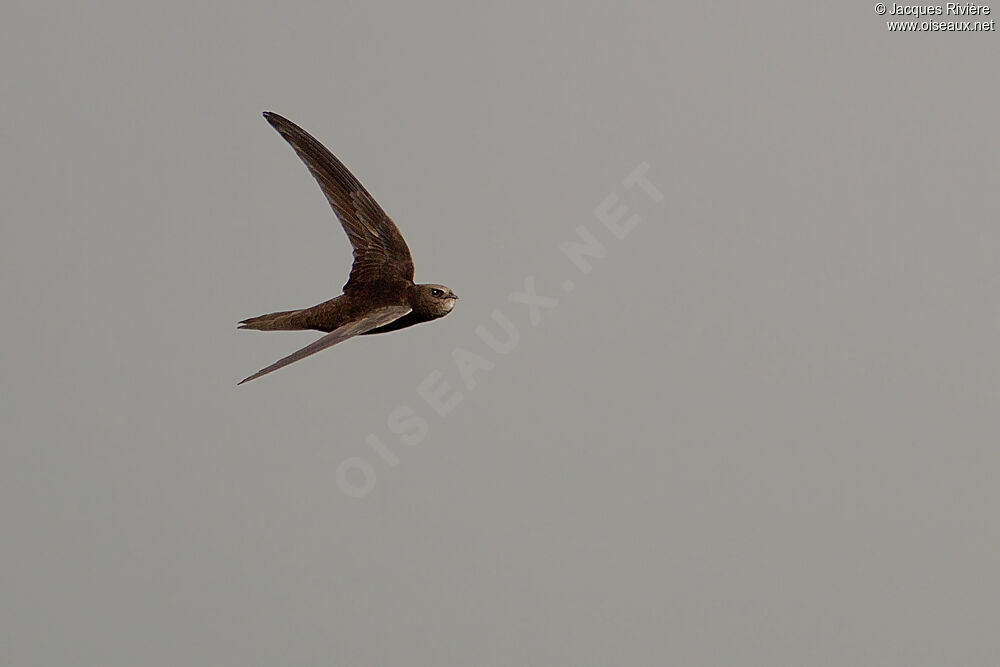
(721, 388)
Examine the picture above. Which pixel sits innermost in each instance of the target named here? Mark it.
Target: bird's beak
(454, 296)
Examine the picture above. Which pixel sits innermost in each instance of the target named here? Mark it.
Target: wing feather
(380, 253)
(373, 319)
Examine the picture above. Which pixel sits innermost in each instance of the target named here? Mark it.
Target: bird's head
(436, 299)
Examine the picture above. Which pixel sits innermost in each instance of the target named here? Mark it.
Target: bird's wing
(375, 318)
(380, 253)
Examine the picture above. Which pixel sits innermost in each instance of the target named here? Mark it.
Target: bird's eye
(436, 292)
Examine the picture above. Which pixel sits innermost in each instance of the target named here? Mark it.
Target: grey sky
(761, 430)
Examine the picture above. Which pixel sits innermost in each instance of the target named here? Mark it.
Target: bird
(380, 294)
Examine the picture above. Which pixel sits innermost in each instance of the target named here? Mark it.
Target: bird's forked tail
(282, 321)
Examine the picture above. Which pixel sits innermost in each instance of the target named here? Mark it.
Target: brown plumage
(380, 294)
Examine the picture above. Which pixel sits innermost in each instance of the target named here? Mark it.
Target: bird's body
(333, 314)
(380, 295)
